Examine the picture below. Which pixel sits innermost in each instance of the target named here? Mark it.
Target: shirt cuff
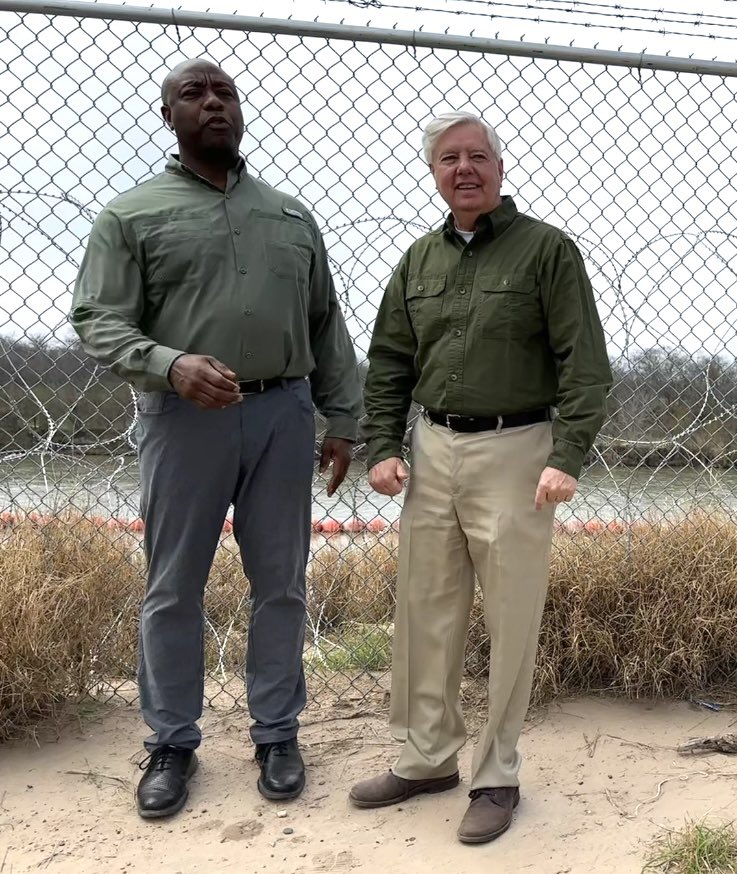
(342, 427)
(381, 451)
(566, 457)
(161, 359)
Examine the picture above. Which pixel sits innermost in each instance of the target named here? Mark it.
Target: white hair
(438, 126)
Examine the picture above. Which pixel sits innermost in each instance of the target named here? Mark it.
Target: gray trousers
(258, 456)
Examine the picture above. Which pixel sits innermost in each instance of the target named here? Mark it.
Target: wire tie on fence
(176, 25)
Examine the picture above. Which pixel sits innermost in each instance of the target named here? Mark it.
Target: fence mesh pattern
(637, 166)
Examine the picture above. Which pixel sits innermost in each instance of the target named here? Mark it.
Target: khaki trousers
(469, 513)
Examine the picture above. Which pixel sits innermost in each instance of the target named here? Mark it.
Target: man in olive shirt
(210, 293)
(488, 322)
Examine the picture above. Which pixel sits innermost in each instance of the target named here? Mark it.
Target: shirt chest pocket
(183, 250)
(287, 245)
(290, 259)
(508, 305)
(425, 296)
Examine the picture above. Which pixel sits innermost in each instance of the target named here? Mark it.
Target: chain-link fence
(634, 158)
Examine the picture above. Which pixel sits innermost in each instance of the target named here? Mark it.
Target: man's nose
(212, 101)
(464, 164)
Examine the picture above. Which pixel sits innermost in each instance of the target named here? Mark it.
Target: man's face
(205, 111)
(466, 171)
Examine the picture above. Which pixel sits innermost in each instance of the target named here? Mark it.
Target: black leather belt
(469, 424)
(258, 386)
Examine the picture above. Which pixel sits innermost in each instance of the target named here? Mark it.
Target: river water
(109, 487)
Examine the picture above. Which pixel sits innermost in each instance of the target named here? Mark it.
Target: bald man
(210, 293)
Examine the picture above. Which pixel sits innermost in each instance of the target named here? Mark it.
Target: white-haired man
(489, 323)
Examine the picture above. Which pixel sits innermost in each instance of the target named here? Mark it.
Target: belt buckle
(448, 417)
(259, 391)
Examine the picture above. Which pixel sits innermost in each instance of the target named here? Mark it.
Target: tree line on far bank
(666, 406)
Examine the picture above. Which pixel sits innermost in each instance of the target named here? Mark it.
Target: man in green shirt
(210, 293)
(488, 322)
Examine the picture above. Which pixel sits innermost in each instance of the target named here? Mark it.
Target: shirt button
(249, 354)
(237, 231)
(420, 288)
(243, 270)
(461, 291)
(453, 377)
(248, 312)
(457, 332)
(227, 197)
(470, 254)
(506, 282)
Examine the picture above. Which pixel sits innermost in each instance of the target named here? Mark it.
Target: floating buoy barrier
(327, 526)
(353, 526)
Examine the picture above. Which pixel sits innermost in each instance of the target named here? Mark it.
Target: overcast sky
(639, 169)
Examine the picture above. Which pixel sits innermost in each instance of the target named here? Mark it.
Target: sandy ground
(600, 779)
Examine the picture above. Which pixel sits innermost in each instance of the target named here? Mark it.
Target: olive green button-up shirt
(504, 324)
(176, 265)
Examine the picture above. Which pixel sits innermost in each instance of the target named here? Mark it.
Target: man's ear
(501, 170)
(166, 115)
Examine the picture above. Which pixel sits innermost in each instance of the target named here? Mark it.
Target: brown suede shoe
(389, 789)
(489, 814)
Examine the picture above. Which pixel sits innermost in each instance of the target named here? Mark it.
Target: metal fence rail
(633, 155)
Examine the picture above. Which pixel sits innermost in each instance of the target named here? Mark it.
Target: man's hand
(554, 486)
(339, 452)
(388, 477)
(205, 381)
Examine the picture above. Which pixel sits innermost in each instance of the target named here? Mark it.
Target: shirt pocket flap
(425, 286)
(501, 283)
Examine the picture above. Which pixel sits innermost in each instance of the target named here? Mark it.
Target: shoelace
(160, 759)
(279, 748)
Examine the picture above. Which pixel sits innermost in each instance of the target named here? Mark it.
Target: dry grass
(62, 587)
(355, 584)
(651, 612)
(648, 613)
(698, 848)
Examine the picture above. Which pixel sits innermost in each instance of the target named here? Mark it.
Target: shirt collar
(493, 223)
(174, 165)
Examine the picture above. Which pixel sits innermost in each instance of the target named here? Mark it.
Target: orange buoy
(228, 526)
(376, 525)
(395, 525)
(353, 526)
(136, 525)
(329, 526)
(593, 526)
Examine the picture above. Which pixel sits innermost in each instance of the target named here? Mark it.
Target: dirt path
(599, 779)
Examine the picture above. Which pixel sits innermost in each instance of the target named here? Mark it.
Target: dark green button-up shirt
(504, 324)
(176, 265)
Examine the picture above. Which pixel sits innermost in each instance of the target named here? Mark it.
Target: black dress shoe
(282, 770)
(162, 790)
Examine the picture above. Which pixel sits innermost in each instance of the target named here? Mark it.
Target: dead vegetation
(650, 611)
